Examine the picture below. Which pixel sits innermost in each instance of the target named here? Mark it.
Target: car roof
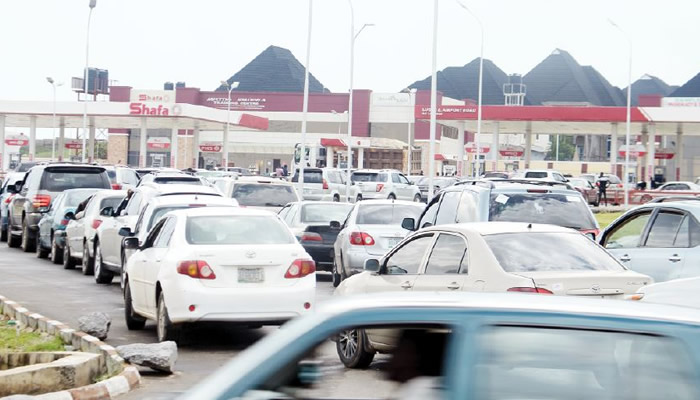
(687, 205)
(111, 193)
(262, 180)
(170, 174)
(499, 227)
(180, 188)
(221, 211)
(68, 165)
(376, 170)
(505, 185)
(683, 182)
(389, 202)
(188, 199)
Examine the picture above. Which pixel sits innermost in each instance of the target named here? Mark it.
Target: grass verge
(12, 340)
(604, 219)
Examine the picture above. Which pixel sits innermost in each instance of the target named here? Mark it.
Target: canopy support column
(679, 152)
(91, 141)
(495, 145)
(360, 157)
(651, 148)
(32, 138)
(143, 137)
(195, 147)
(61, 138)
(2, 143)
(460, 155)
(173, 146)
(528, 145)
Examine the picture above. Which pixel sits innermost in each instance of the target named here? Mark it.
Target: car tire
(134, 322)
(336, 275)
(88, 263)
(351, 349)
(40, 251)
(392, 197)
(68, 261)
(3, 234)
(27, 244)
(122, 273)
(56, 254)
(359, 198)
(102, 275)
(417, 198)
(165, 329)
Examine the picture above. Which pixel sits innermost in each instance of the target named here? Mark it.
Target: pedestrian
(285, 170)
(603, 183)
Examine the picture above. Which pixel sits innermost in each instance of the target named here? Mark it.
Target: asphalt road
(65, 295)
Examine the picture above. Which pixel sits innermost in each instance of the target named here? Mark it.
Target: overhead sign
(471, 148)
(680, 102)
(664, 154)
(158, 143)
(73, 144)
(16, 140)
(511, 151)
(636, 150)
(238, 102)
(153, 96)
(211, 147)
(447, 112)
(391, 99)
(154, 109)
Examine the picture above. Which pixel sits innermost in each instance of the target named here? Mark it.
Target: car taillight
(116, 186)
(65, 222)
(96, 223)
(41, 201)
(380, 186)
(311, 237)
(325, 184)
(9, 198)
(196, 269)
(361, 239)
(529, 290)
(300, 268)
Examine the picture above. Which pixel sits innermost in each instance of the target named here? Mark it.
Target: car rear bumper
(321, 255)
(32, 220)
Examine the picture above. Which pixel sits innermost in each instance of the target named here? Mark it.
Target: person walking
(603, 183)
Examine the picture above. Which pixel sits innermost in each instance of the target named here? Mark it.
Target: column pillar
(143, 149)
(195, 148)
(613, 148)
(32, 138)
(495, 145)
(642, 173)
(91, 140)
(61, 148)
(360, 157)
(3, 159)
(528, 145)
(679, 152)
(651, 149)
(173, 145)
(330, 154)
(461, 152)
(224, 149)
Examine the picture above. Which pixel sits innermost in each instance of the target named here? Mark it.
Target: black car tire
(417, 198)
(165, 329)
(40, 251)
(102, 274)
(3, 234)
(56, 254)
(391, 197)
(28, 243)
(88, 263)
(336, 198)
(68, 261)
(336, 275)
(134, 322)
(351, 349)
(359, 198)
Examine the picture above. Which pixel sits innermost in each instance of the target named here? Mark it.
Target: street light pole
(92, 5)
(625, 181)
(412, 102)
(224, 145)
(305, 107)
(433, 105)
(53, 122)
(481, 79)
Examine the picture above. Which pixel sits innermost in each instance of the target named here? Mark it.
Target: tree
(566, 148)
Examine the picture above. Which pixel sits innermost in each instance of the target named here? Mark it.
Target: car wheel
(68, 261)
(40, 252)
(165, 329)
(56, 253)
(351, 349)
(417, 198)
(391, 197)
(88, 264)
(134, 321)
(336, 275)
(12, 240)
(27, 242)
(122, 273)
(3, 234)
(336, 198)
(102, 275)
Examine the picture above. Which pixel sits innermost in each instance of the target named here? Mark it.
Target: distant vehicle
(310, 221)
(122, 177)
(588, 190)
(238, 170)
(680, 186)
(668, 199)
(258, 192)
(171, 178)
(372, 228)
(473, 346)
(658, 239)
(12, 178)
(385, 184)
(540, 174)
(327, 184)
(26, 166)
(496, 174)
(615, 182)
(439, 183)
(34, 194)
(217, 264)
(145, 171)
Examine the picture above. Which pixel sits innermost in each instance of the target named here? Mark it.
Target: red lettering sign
(143, 109)
(446, 112)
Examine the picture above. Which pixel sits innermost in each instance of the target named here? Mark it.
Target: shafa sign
(153, 109)
(16, 140)
(73, 144)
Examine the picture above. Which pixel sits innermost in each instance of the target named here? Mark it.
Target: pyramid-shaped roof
(274, 70)
(689, 89)
(647, 85)
(463, 82)
(560, 78)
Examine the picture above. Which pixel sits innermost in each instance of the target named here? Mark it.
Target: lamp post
(629, 111)
(54, 85)
(481, 78)
(224, 147)
(353, 37)
(433, 105)
(305, 106)
(92, 5)
(412, 103)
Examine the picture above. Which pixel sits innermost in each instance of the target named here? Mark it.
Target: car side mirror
(12, 189)
(408, 224)
(80, 215)
(131, 243)
(125, 231)
(106, 212)
(335, 225)
(69, 216)
(372, 265)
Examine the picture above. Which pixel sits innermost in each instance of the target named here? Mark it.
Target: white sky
(144, 43)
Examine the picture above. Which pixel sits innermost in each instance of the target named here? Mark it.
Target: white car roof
(192, 199)
(221, 211)
(262, 180)
(181, 188)
(389, 202)
(497, 227)
(110, 193)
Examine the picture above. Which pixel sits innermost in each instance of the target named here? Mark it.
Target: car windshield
(536, 174)
(387, 214)
(325, 213)
(236, 230)
(567, 210)
(368, 177)
(310, 176)
(263, 194)
(578, 182)
(58, 180)
(111, 202)
(530, 252)
(73, 198)
(177, 180)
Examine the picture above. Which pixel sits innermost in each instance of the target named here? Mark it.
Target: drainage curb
(127, 379)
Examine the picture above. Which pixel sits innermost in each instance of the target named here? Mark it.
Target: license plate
(393, 242)
(250, 275)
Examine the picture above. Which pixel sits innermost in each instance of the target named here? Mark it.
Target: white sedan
(217, 264)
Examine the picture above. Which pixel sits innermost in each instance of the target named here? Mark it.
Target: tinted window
(185, 180)
(324, 213)
(542, 208)
(263, 195)
(468, 207)
(166, 232)
(74, 198)
(310, 176)
(448, 209)
(629, 233)
(60, 179)
(408, 258)
(663, 230)
(235, 230)
(25, 166)
(536, 175)
(368, 177)
(530, 252)
(110, 202)
(548, 363)
(683, 236)
(134, 205)
(395, 178)
(158, 213)
(448, 256)
(112, 174)
(386, 214)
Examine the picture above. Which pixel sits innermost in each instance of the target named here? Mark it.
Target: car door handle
(406, 285)
(674, 258)
(625, 258)
(453, 286)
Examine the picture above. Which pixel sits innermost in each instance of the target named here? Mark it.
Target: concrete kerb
(127, 379)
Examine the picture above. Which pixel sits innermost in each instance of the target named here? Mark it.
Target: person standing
(603, 183)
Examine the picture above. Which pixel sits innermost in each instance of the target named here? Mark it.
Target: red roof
(439, 157)
(326, 142)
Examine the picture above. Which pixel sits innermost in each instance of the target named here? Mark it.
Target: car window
(386, 214)
(683, 236)
(553, 363)
(129, 177)
(369, 177)
(395, 178)
(567, 210)
(628, 233)
(663, 230)
(310, 176)
(263, 194)
(139, 222)
(166, 232)
(404, 180)
(449, 256)
(535, 175)
(134, 205)
(448, 209)
(468, 207)
(408, 258)
(237, 230)
(110, 202)
(558, 177)
(153, 234)
(60, 179)
(324, 213)
(284, 211)
(430, 213)
(172, 180)
(221, 185)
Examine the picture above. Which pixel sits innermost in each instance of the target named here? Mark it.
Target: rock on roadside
(157, 356)
(96, 324)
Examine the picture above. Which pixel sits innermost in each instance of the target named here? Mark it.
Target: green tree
(566, 148)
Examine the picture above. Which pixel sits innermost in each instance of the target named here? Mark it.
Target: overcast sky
(144, 43)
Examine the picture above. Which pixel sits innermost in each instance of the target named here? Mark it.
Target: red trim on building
(533, 113)
(329, 142)
(439, 157)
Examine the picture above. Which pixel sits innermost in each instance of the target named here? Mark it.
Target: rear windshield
(536, 175)
(542, 208)
(530, 252)
(232, 230)
(325, 213)
(263, 195)
(613, 179)
(185, 180)
(369, 177)
(111, 202)
(387, 214)
(312, 176)
(72, 199)
(58, 180)
(159, 212)
(112, 175)
(25, 166)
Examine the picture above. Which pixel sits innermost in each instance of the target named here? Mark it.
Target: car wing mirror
(106, 212)
(335, 225)
(409, 224)
(125, 231)
(131, 243)
(79, 215)
(69, 216)
(12, 189)
(372, 265)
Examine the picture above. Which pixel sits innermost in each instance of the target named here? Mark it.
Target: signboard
(211, 147)
(158, 143)
(511, 151)
(360, 142)
(664, 154)
(447, 112)
(155, 109)
(680, 102)
(471, 148)
(73, 144)
(636, 150)
(153, 96)
(238, 102)
(16, 140)
(391, 99)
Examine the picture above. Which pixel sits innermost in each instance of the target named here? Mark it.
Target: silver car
(372, 228)
(658, 239)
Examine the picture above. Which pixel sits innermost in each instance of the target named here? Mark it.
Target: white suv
(540, 175)
(385, 184)
(327, 184)
(258, 192)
